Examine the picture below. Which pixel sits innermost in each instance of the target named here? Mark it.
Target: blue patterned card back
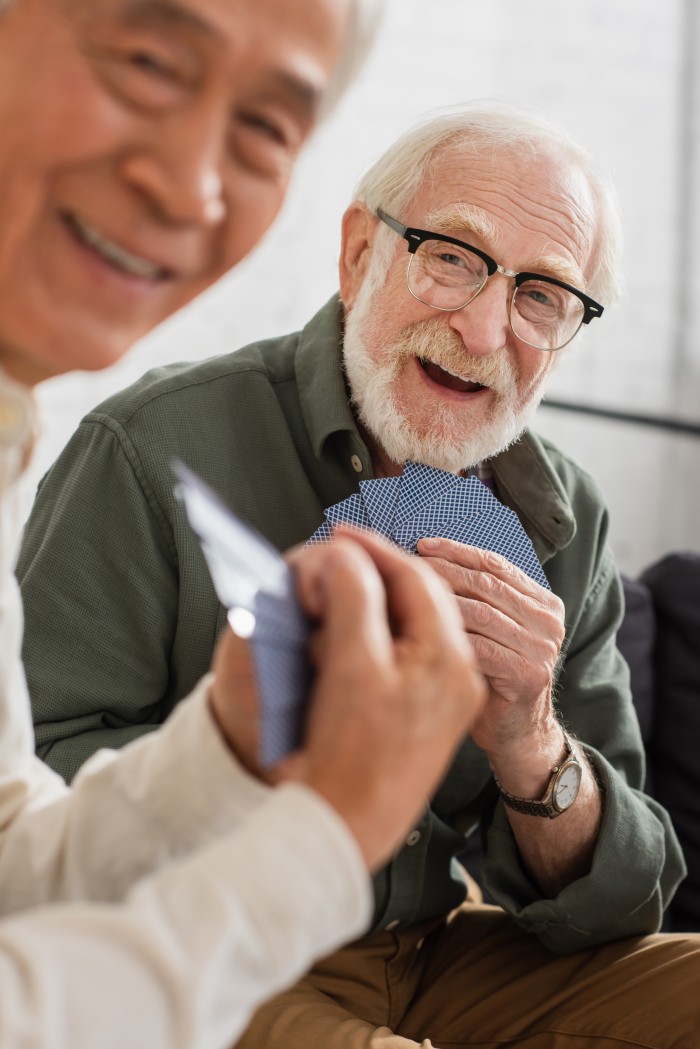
(350, 511)
(381, 497)
(421, 485)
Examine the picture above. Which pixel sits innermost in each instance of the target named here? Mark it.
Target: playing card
(420, 485)
(240, 560)
(322, 534)
(280, 621)
(350, 511)
(497, 529)
(281, 707)
(381, 496)
(428, 502)
(249, 574)
(467, 499)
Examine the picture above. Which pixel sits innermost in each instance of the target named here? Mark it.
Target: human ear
(358, 231)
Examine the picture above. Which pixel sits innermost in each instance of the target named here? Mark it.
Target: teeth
(132, 264)
(456, 375)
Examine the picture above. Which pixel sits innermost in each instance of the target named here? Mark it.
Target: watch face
(567, 786)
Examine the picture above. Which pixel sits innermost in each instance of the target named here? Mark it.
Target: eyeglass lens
(448, 277)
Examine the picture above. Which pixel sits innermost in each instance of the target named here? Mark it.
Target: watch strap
(545, 805)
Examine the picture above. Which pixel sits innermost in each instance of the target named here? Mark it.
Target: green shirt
(121, 618)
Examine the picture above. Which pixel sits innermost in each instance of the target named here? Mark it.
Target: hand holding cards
(426, 502)
(396, 686)
(256, 587)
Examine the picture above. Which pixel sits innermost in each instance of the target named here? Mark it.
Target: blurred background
(623, 76)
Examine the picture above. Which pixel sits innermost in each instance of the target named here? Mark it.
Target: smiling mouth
(450, 380)
(116, 256)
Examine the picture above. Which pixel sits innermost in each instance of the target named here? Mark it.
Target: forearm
(67, 756)
(556, 852)
(166, 794)
(194, 949)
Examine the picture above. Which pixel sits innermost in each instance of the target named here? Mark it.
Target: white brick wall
(612, 72)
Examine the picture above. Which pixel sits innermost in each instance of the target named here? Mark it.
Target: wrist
(561, 790)
(524, 767)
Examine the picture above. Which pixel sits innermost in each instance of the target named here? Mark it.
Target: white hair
(364, 21)
(497, 128)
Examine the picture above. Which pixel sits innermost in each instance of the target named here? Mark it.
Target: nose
(180, 170)
(484, 324)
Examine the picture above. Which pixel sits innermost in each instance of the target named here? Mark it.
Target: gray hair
(396, 178)
(364, 21)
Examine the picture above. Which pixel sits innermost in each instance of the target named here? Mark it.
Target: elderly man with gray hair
(477, 248)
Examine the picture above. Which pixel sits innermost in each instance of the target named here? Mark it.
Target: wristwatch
(561, 790)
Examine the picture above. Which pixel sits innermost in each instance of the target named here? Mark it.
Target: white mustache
(432, 341)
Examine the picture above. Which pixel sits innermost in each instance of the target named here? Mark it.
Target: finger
(483, 561)
(420, 606)
(541, 612)
(234, 663)
(308, 565)
(311, 565)
(484, 620)
(353, 600)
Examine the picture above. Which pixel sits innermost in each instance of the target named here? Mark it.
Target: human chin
(389, 413)
(40, 344)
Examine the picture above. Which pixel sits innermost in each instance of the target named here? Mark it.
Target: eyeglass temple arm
(591, 310)
(413, 237)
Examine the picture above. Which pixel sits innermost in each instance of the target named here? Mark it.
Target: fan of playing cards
(256, 586)
(425, 502)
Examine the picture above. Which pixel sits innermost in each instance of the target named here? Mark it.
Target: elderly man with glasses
(438, 355)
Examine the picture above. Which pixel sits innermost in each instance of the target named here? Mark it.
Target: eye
(545, 299)
(144, 71)
(266, 139)
(452, 260)
(148, 62)
(457, 264)
(265, 127)
(539, 296)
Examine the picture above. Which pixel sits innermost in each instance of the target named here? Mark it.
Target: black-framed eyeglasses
(448, 274)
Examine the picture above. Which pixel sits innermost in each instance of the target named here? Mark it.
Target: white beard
(442, 444)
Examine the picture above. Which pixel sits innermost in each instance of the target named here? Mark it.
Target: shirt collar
(324, 398)
(528, 483)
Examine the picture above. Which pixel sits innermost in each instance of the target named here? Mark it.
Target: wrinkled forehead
(541, 198)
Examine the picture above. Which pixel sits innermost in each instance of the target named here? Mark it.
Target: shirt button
(356, 464)
(413, 838)
(392, 925)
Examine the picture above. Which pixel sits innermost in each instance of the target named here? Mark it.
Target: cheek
(533, 367)
(252, 205)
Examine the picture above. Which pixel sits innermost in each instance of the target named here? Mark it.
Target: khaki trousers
(478, 980)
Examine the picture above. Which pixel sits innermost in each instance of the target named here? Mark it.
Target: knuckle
(557, 607)
(489, 582)
(552, 647)
(482, 612)
(484, 647)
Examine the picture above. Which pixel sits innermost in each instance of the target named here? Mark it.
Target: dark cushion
(635, 639)
(674, 583)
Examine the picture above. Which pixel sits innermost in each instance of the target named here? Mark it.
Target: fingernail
(430, 543)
